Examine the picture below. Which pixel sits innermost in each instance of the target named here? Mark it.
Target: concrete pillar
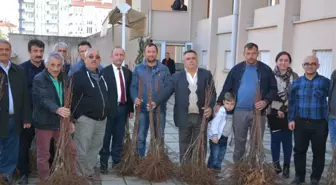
(197, 11)
(218, 8)
(288, 10)
(246, 16)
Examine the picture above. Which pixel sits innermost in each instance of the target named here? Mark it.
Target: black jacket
(113, 94)
(268, 84)
(170, 65)
(22, 107)
(31, 71)
(46, 102)
(179, 84)
(89, 97)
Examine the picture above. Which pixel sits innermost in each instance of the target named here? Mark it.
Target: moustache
(4, 54)
(39, 57)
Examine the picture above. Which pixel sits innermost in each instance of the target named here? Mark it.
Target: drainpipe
(234, 31)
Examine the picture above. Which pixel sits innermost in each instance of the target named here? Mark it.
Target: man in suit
(15, 110)
(170, 63)
(118, 79)
(188, 112)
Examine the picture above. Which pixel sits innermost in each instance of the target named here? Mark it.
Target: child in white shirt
(219, 130)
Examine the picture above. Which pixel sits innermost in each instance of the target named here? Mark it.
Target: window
(228, 60)
(265, 57)
(89, 30)
(204, 62)
(325, 59)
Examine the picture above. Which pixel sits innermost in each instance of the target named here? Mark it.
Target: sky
(9, 11)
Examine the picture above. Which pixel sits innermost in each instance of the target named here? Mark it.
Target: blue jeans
(115, 128)
(143, 130)
(9, 150)
(217, 153)
(283, 137)
(332, 132)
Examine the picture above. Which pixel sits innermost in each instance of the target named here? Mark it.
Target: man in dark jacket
(190, 92)
(121, 106)
(15, 110)
(48, 100)
(170, 63)
(89, 105)
(32, 67)
(179, 5)
(242, 80)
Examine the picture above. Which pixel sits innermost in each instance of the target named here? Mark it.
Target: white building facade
(62, 17)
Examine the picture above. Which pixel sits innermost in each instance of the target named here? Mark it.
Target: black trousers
(314, 132)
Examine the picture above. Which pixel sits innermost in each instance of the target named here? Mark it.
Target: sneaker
(297, 181)
(23, 180)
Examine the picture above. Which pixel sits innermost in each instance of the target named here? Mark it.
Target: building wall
(103, 44)
(299, 28)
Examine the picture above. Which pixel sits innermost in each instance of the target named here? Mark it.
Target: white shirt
(10, 95)
(117, 78)
(193, 99)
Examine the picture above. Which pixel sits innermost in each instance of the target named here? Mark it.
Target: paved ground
(171, 139)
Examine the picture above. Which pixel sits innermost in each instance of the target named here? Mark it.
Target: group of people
(32, 102)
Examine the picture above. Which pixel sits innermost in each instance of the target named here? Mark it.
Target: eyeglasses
(310, 64)
(92, 57)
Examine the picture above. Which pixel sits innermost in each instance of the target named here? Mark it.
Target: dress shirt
(10, 95)
(193, 108)
(117, 78)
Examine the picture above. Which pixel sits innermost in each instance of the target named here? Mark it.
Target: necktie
(122, 87)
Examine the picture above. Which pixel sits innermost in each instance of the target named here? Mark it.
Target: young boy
(219, 130)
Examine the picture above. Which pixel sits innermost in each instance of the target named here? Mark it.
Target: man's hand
(131, 115)
(137, 101)
(152, 106)
(63, 112)
(214, 140)
(207, 112)
(260, 105)
(281, 114)
(26, 125)
(291, 125)
(72, 128)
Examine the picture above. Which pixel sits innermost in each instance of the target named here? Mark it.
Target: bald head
(310, 59)
(310, 65)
